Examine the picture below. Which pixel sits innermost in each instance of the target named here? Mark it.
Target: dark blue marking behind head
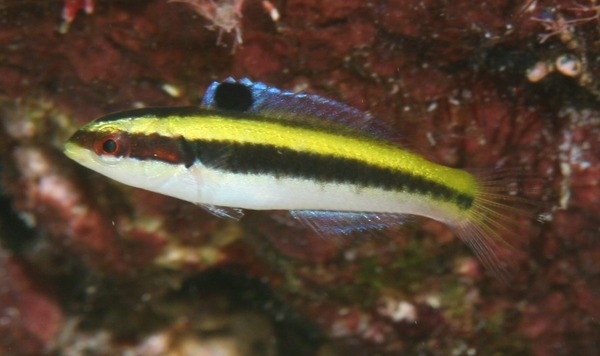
(233, 97)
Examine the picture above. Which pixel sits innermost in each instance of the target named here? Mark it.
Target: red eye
(114, 145)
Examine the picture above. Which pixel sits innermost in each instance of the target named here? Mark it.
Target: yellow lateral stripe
(221, 128)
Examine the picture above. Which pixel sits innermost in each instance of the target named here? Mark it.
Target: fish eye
(109, 146)
(114, 145)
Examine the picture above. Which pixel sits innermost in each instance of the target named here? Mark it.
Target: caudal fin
(499, 213)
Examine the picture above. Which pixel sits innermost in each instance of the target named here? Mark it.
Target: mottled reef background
(89, 266)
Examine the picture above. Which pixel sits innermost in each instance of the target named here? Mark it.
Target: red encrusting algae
(468, 84)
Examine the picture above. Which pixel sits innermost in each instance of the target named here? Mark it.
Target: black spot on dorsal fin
(233, 97)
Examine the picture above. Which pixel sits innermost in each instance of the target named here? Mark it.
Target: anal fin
(344, 222)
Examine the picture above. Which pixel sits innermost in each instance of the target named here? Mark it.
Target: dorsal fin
(258, 98)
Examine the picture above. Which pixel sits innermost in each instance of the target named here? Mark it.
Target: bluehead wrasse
(250, 146)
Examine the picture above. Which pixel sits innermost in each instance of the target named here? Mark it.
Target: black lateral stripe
(247, 158)
(244, 158)
(266, 159)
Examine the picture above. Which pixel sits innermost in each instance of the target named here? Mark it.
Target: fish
(336, 169)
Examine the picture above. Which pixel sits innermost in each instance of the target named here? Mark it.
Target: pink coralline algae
(31, 317)
(89, 265)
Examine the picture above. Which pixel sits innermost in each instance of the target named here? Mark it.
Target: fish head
(113, 149)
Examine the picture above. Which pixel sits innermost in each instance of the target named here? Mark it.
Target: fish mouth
(77, 147)
(73, 151)
(80, 154)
